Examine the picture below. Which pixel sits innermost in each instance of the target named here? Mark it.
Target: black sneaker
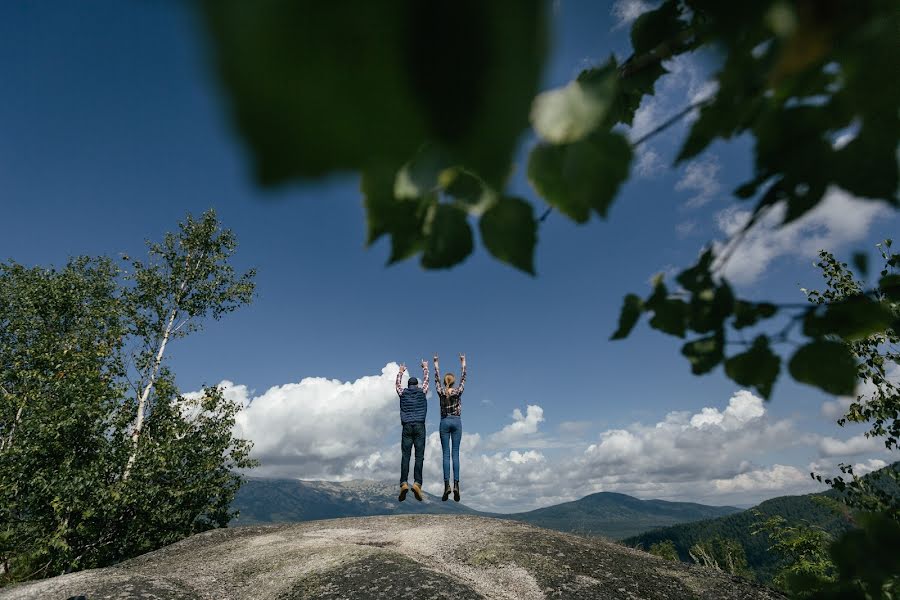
(456, 491)
(446, 491)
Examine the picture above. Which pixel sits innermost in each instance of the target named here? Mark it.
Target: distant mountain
(618, 516)
(263, 500)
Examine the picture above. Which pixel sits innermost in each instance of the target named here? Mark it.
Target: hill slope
(821, 510)
(398, 557)
(739, 527)
(618, 515)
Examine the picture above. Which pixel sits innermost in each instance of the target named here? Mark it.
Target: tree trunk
(6, 444)
(145, 394)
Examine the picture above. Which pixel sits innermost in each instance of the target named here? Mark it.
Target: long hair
(449, 380)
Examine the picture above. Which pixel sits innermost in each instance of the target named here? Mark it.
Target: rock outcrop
(409, 556)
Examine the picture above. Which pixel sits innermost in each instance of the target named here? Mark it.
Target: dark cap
(413, 382)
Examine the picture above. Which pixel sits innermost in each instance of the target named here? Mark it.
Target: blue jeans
(413, 435)
(451, 430)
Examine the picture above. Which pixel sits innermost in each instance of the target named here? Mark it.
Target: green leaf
(377, 187)
(710, 307)
(468, 190)
(827, 365)
(698, 276)
(579, 177)
(757, 367)
(670, 316)
(704, 353)
(632, 307)
(747, 314)
(655, 27)
(449, 238)
(890, 286)
(854, 318)
(321, 87)
(420, 176)
(570, 113)
(509, 232)
(463, 186)
(402, 219)
(861, 262)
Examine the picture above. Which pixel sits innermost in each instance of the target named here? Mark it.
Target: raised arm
(425, 376)
(462, 375)
(437, 376)
(397, 385)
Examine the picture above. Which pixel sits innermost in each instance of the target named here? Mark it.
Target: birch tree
(84, 385)
(187, 279)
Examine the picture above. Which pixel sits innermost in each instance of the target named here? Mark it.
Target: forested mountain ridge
(822, 510)
(618, 516)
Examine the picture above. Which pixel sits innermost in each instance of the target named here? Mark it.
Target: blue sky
(112, 129)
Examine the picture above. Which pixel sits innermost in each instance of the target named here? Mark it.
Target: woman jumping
(451, 421)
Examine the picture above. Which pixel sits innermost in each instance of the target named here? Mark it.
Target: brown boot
(456, 491)
(403, 489)
(417, 491)
(446, 490)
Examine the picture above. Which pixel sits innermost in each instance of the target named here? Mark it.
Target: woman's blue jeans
(451, 430)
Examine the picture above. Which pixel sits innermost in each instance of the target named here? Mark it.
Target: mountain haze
(262, 500)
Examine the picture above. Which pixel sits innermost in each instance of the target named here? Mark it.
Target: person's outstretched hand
(462, 358)
(435, 359)
(424, 364)
(402, 367)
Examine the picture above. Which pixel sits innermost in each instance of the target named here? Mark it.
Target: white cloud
(626, 11)
(838, 219)
(683, 85)
(522, 427)
(710, 444)
(829, 468)
(777, 478)
(837, 408)
(317, 428)
(873, 464)
(649, 164)
(700, 177)
(854, 446)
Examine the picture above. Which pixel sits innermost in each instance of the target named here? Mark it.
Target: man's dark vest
(413, 405)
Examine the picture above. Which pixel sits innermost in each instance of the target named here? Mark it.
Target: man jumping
(413, 407)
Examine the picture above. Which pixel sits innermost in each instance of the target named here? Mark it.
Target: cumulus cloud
(701, 178)
(838, 219)
(317, 428)
(710, 444)
(522, 427)
(777, 478)
(854, 446)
